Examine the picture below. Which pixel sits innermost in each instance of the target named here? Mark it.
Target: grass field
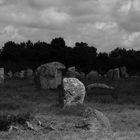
(17, 96)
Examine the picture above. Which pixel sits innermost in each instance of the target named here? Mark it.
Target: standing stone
(1, 75)
(28, 73)
(74, 91)
(123, 72)
(17, 75)
(116, 74)
(21, 74)
(100, 75)
(105, 76)
(92, 75)
(77, 75)
(49, 76)
(10, 74)
(110, 74)
(82, 75)
(71, 71)
(37, 80)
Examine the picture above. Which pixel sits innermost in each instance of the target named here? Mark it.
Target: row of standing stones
(117, 73)
(50, 76)
(112, 74)
(23, 74)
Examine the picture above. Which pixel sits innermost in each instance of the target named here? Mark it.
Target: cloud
(53, 16)
(22, 15)
(129, 39)
(128, 15)
(105, 26)
(39, 4)
(104, 35)
(11, 33)
(106, 23)
(2, 1)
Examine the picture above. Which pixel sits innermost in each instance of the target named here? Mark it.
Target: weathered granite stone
(49, 76)
(74, 91)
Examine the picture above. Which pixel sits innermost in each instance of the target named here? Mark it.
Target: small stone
(1, 75)
(123, 72)
(116, 74)
(109, 74)
(99, 85)
(92, 75)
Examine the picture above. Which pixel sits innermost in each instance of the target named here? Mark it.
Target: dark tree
(19, 56)
(58, 43)
(103, 62)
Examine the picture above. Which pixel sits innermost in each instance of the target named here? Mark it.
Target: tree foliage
(18, 56)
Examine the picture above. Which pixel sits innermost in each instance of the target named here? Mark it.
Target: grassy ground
(17, 96)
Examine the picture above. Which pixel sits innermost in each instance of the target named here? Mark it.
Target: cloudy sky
(106, 24)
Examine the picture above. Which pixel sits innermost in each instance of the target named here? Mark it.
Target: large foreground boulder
(49, 76)
(95, 121)
(74, 91)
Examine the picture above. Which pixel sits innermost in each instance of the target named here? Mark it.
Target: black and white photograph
(69, 69)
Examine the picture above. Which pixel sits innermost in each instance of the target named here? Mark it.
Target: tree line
(19, 56)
